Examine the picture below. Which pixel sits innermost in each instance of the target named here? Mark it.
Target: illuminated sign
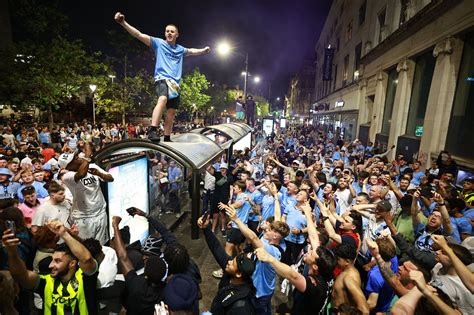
(339, 103)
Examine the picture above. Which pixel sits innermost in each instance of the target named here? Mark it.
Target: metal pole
(93, 109)
(246, 75)
(195, 203)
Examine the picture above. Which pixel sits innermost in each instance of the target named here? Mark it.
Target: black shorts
(161, 89)
(234, 236)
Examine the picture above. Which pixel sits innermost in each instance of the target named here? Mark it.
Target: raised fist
(119, 18)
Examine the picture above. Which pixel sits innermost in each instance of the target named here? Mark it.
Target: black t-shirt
(65, 294)
(314, 299)
(141, 295)
(222, 188)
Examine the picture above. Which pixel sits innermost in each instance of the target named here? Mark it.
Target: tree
(46, 75)
(124, 95)
(193, 86)
(262, 106)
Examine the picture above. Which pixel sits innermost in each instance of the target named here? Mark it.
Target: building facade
(300, 92)
(402, 73)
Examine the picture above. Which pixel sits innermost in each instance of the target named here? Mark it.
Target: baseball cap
(384, 205)
(224, 165)
(246, 265)
(152, 245)
(5, 171)
(65, 159)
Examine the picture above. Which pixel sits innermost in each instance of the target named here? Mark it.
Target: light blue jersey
(169, 59)
(264, 277)
(242, 212)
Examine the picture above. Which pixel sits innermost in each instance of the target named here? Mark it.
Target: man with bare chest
(347, 287)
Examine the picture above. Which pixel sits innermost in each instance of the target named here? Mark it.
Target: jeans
(263, 304)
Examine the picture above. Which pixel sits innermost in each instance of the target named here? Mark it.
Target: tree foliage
(193, 86)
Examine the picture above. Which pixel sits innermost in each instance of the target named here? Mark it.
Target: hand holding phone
(11, 226)
(131, 211)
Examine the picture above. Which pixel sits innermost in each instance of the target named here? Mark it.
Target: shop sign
(418, 131)
(339, 103)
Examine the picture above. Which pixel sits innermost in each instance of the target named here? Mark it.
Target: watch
(325, 218)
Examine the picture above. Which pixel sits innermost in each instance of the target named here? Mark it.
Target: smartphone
(131, 211)
(206, 215)
(11, 226)
(70, 221)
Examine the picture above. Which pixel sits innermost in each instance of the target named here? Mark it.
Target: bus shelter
(132, 163)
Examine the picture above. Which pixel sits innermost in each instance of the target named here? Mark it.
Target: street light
(224, 49)
(256, 79)
(112, 77)
(93, 87)
(278, 99)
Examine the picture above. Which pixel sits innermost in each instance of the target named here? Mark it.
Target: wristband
(441, 204)
(325, 218)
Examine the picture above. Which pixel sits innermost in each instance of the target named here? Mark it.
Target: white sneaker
(218, 273)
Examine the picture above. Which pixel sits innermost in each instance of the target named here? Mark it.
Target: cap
(469, 179)
(5, 171)
(64, 159)
(152, 245)
(385, 205)
(246, 265)
(469, 244)
(224, 165)
(181, 292)
(296, 162)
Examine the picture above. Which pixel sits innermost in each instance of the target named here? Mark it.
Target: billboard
(129, 189)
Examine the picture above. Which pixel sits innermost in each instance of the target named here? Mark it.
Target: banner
(327, 65)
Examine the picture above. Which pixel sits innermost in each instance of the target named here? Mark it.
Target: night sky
(277, 34)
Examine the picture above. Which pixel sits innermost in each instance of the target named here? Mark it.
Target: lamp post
(112, 77)
(224, 49)
(93, 87)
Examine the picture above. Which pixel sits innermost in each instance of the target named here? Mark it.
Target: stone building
(402, 73)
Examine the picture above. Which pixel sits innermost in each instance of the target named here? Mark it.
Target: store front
(346, 121)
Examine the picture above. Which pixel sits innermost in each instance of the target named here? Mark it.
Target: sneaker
(178, 215)
(154, 135)
(169, 212)
(218, 273)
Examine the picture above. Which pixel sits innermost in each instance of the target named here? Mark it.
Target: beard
(62, 273)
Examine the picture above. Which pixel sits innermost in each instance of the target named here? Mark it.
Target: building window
(403, 11)
(460, 141)
(345, 71)
(362, 10)
(349, 31)
(358, 51)
(420, 91)
(389, 100)
(338, 43)
(335, 78)
(382, 28)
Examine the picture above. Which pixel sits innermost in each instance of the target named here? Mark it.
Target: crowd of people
(337, 226)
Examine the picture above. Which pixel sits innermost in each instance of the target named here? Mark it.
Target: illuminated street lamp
(112, 77)
(93, 87)
(256, 79)
(224, 49)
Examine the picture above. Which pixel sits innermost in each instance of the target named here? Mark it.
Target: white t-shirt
(373, 231)
(48, 211)
(454, 288)
(107, 268)
(87, 195)
(344, 199)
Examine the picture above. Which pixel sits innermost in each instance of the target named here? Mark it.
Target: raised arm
(26, 278)
(448, 229)
(385, 270)
(414, 209)
(86, 262)
(310, 226)
(277, 209)
(120, 19)
(198, 51)
(467, 277)
(124, 262)
(283, 270)
(248, 233)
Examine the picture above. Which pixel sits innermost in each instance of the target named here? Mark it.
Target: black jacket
(231, 298)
